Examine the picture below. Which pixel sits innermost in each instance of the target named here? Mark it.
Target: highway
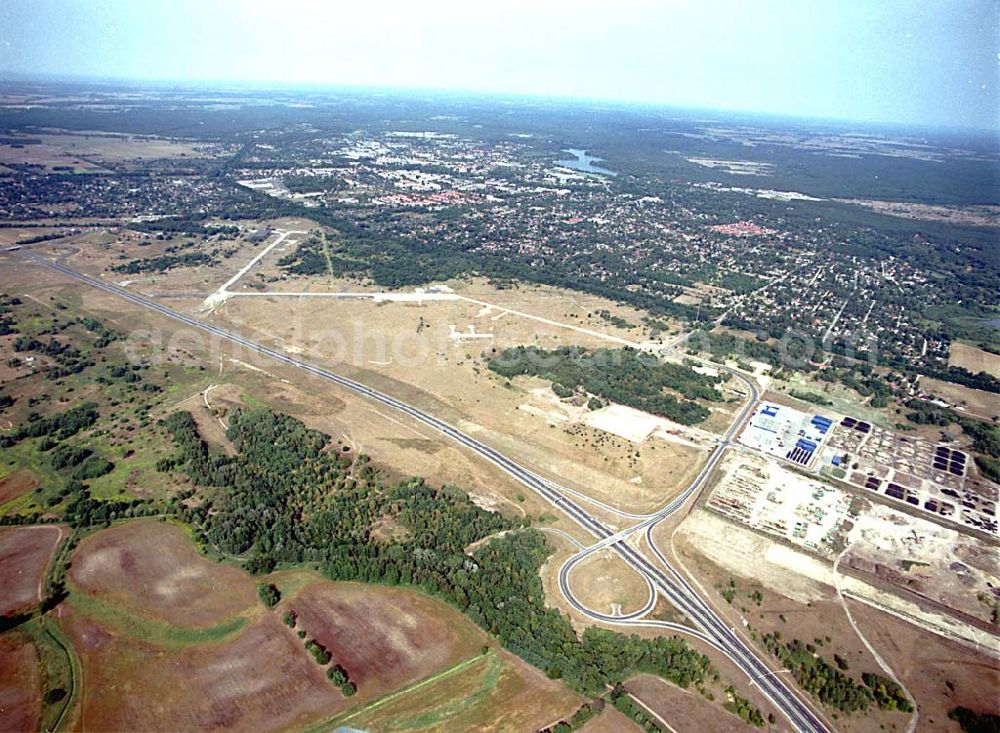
(672, 586)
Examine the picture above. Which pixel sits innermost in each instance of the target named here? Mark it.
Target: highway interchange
(669, 583)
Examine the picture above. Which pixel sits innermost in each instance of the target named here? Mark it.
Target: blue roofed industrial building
(786, 433)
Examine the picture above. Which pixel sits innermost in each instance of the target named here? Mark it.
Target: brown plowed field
(610, 721)
(384, 637)
(17, 484)
(20, 685)
(139, 589)
(25, 553)
(261, 680)
(152, 569)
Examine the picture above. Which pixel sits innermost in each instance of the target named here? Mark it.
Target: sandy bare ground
(801, 603)
(805, 578)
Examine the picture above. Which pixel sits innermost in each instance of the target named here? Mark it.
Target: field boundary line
(75, 696)
(886, 667)
(652, 713)
(460, 667)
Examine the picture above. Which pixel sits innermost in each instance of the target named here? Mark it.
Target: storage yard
(772, 499)
(927, 476)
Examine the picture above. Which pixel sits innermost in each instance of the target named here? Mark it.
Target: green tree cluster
(625, 376)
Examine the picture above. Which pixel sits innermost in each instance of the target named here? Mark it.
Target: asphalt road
(671, 586)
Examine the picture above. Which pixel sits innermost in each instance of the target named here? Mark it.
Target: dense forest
(625, 376)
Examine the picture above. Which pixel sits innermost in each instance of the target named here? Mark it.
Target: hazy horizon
(930, 64)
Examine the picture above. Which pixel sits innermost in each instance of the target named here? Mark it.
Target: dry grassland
(974, 359)
(407, 350)
(975, 401)
(603, 582)
(87, 153)
(684, 710)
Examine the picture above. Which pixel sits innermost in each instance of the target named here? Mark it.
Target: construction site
(893, 549)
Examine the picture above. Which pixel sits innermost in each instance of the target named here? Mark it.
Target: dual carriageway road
(662, 579)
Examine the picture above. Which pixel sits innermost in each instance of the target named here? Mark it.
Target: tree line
(625, 376)
(832, 686)
(288, 496)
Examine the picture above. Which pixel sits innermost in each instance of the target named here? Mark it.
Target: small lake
(584, 163)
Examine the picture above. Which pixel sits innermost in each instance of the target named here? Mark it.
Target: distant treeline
(162, 263)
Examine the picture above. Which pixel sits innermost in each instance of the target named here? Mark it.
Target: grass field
(57, 669)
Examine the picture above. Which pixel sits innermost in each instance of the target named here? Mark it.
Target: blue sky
(912, 61)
